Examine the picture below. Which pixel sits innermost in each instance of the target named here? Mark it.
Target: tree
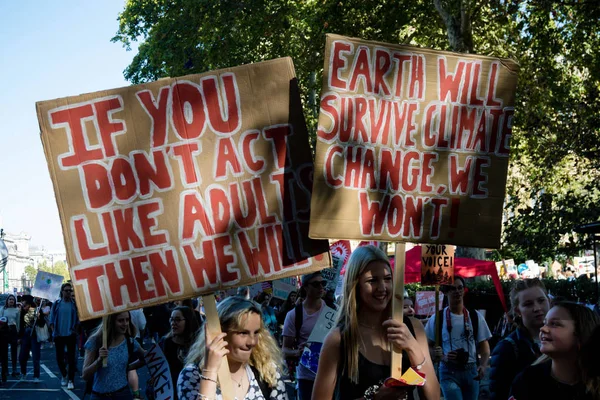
(60, 268)
(554, 178)
(30, 272)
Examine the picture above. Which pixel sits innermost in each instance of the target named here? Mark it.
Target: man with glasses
(464, 335)
(64, 324)
(298, 326)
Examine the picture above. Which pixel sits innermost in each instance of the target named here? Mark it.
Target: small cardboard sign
(324, 324)
(160, 373)
(425, 302)
(412, 144)
(47, 285)
(437, 264)
(183, 186)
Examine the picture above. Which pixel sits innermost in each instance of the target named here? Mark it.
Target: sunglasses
(318, 284)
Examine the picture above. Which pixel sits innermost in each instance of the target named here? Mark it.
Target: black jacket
(511, 355)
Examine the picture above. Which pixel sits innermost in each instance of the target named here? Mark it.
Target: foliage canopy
(554, 179)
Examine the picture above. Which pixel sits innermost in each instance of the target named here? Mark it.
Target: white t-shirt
(459, 337)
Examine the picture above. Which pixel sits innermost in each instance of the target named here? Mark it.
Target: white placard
(47, 285)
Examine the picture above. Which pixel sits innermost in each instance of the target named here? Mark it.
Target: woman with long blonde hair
(358, 350)
(251, 352)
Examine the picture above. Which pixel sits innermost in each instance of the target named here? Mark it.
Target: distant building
(14, 276)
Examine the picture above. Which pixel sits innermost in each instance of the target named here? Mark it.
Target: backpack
(473, 316)
(89, 384)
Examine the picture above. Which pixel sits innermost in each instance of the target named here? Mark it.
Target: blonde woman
(252, 354)
(358, 350)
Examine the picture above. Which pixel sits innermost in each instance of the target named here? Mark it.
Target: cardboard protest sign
(163, 386)
(437, 264)
(182, 187)
(425, 302)
(412, 144)
(47, 285)
(311, 353)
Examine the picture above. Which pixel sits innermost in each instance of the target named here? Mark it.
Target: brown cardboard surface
(437, 265)
(183, 186)
(412, 144)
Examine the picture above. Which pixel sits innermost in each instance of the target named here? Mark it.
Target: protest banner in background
(183, 186)
(47, 285)
(412, 144)
(340, 254)
(162, 385)
(311, 353)
(425, 302)
(283, 287)
(437, 264)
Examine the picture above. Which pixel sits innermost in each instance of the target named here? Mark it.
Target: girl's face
(293, 297)
(122, 322)
(408, 308)
(558, 333)
(533, 307)
(242, 341)
(375, 286)
(177, 321)
(11, 301)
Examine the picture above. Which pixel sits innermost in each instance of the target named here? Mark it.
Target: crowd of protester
(548, 352)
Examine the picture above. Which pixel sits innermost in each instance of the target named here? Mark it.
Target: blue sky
(49, 49)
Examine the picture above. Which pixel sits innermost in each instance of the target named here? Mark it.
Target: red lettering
(256, 258)
(413, 217)
(98, 190)
(474, 99)
(90, 275)
(354, 160)
(243, 214)
(261, 202)
(491, 92)
(346, 120)
(128, 237)
(382, 67)
(73, 119)
(330, 165)
(395, 213)
(459, 177)
(380, 122)
(480, 177)
(465, 87)
(409, 167)
(188, 116)
(113, 246)
(185, 152)
(467, 123)
(279, 136)
(165, 270)
(254, 163)
(329, 108)
(401, 59)
(372, 213)
(107, 127)
(193, 212)
(147, 216)
(225, 259)
(86, 250)
(417, 77)
(155, 171)
(390, 167)
(227, 159)
(368, 178)
(450, 84)
(362, 71)
(141, 277)
(427, 169)
(116, 282)
(221, 209)
(157, 110)
(359, 127)
(202, 267)
(123, 179)
(223, 119)
(337, 63)
(438, 204)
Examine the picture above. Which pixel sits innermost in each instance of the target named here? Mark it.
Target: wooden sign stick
(398, 304)
(213, 328)
(438, 321)
(105, 339)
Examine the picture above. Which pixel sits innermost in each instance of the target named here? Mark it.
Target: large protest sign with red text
(183, 186)
(412, 144)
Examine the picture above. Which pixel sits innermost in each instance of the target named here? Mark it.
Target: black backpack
(473, 316)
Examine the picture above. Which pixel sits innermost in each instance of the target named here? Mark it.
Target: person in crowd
(465, 350)
(329, 299)
(408, 306)
(64, 324)
(288, 305)
(176, 344)
(157, 321)
(297, 329)
(558, 374)
(253, 357)
(110, 381)
(190, 304)
(590, 368)
(12, 313)
(357, 350)
(529, 301)
(138, 319)
(268, 313)
(30, 318)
